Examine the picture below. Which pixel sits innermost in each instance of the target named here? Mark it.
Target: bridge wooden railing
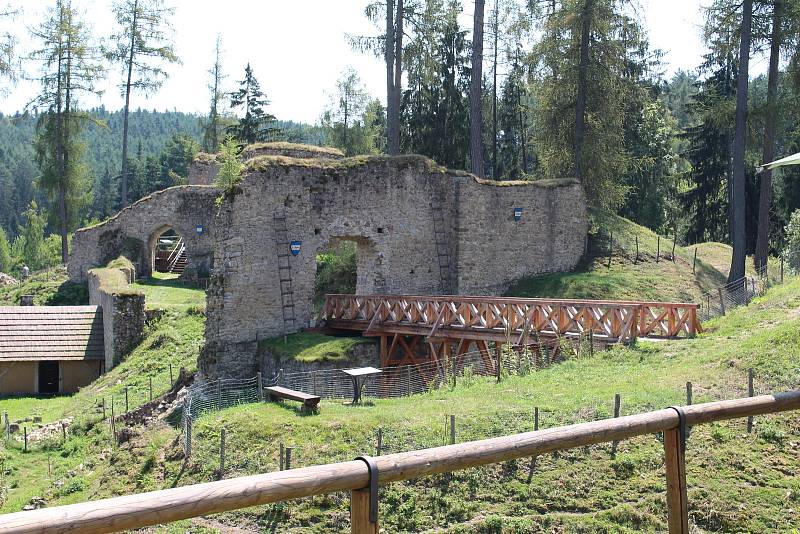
(614, 321)
(145, 509)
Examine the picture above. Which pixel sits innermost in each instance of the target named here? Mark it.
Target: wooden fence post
(104, 408)
(673, 248)
(260, 386)
(694, 261)
(25, 434)
(408, 380)
(287, 462)
(63, 432)
(126, 399)
(359, 513)
(171, 381)
(674, 459)
(452, 430)
(222, 453)
(750, 394)
(150, 379)
(721, 301)
(113, 424)
(379, 445)
(533, 458)
(616, 414)
(688, 403)
(282, 455)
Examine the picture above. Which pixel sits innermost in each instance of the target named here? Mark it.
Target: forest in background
(535, 89)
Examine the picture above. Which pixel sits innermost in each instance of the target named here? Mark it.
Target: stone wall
(385, 205)
(123, 311)
(133, 232)
(389, 206)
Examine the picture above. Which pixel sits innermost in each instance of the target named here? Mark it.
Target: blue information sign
(294, 246)
(517, 214)
(199, 229)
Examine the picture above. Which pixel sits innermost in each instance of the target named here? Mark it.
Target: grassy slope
(312, 347)
(626, 278)
(49, 288)
(737, 482)
(165, 292)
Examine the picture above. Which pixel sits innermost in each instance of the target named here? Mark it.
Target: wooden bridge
(406, 323)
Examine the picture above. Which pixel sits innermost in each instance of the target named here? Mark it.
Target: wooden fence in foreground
(362, 476)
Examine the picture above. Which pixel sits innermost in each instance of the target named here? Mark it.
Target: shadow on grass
(167, 282)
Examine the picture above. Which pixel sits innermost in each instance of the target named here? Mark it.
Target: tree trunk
(475, 115)
(580, 98)
(124, 176)
(494, 89)
(389, 55)
(738, 258)
(398, 78)
(765, 195)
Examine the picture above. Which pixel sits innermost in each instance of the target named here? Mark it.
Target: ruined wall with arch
(388, 206)
(134, 230)
(404, 213)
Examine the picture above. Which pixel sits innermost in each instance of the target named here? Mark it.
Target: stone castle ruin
(418, 229)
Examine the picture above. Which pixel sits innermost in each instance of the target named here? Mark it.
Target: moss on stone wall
(282, 145)
(115, 278)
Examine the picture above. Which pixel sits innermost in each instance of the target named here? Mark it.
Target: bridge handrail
(145, 509)
(518, 300)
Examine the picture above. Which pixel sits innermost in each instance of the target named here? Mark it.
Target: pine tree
(69, 67)
(7, 48)
(33, 237)
(475, 100)
(344, 118)
(142, 45)
(5, 252)
(254, 125)
(212, 126)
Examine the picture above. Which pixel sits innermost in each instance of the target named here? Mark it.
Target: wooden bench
(310, 402)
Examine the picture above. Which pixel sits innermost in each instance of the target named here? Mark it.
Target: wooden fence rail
(493, 317)
(144, 509)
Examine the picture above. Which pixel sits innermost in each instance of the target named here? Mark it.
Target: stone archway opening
(336, 270)
(168, 253)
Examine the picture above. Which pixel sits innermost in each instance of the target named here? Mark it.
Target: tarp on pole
(794, 159)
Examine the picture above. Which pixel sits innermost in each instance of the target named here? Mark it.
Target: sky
(297, 49)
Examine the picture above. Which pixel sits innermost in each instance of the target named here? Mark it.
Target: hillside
(737, 482)
(652, 275)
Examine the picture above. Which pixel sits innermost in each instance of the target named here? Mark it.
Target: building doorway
(48, 377)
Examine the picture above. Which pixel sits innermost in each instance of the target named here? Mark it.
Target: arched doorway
(168, 252)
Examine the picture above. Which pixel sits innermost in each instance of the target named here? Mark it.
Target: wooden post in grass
(360, 513)
(171, 381)
(150, 380)
(25, 435)
(408, 380)
(694, 261)
(688, 402)
(287, 463)
(280, 463)
(499, 352)
(616, 414)
(750, 394)
(533, 458)
(721, 301)
(452, 430)
(658, 248)
(126, 399)
(222, 453)
(674, 460)
(379, 445)
(104, 408)
(113, 424)
(673, 248)
(63, 432)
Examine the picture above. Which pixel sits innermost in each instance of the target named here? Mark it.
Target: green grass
(737, 481)
(165, 292)
(50, 287)
(313, 347)
(653, 276)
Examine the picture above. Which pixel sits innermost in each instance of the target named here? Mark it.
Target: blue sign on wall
(294, 246)
(517, 214)
(199, 229)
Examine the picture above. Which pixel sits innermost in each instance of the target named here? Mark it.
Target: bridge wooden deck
(408, 324)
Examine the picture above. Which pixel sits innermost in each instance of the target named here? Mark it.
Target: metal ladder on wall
(284, 272)
(442, 250)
